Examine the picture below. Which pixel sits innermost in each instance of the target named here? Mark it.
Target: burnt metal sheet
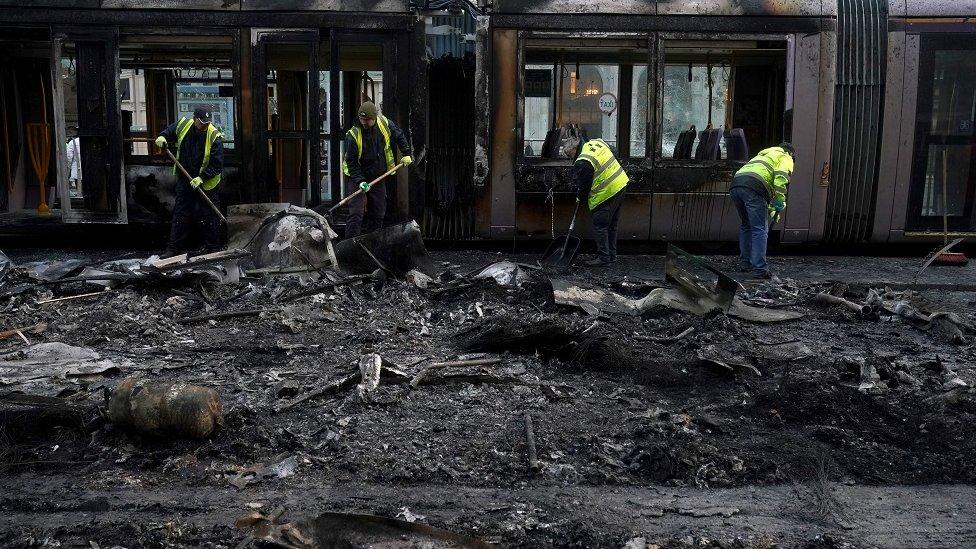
(741, 7)
(897, 8)
(660, 7)
(940, 8)
(388, 6)
(634, 7)
(537, 218)
(210, 18)
(906, 139)
(825, 132)
(672, 23)
(861, 60)
(327, 5)
(683, 268)
(505, 63)
(676, 176)
(51, 3)
(533, 177)
(805, 195)
(482, 101)
(693, 217)
(890, 145)
(172, 4)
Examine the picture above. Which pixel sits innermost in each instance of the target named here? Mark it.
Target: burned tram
(879, 98)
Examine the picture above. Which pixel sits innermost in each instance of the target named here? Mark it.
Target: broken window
(573, 88)
(638, 112)
(168, 76)
(721, 100)
(213, 89)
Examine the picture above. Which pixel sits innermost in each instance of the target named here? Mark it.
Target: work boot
(766, 275)
(597, 262)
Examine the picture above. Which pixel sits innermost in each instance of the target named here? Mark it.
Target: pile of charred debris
(293, 360)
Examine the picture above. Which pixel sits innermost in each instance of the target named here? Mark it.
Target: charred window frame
(164, 59)
(224, 104)
(733, 59)
(576, 60)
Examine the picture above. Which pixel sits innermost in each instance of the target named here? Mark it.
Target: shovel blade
(561, 252)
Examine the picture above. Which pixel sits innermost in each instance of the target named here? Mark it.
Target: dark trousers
(372, 207)
(605, 217)
(753, 228)
(193, 220)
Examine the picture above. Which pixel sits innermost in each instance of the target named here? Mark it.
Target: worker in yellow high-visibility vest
(602, 182)
(369, 153)
(199, 147)
(758, 192)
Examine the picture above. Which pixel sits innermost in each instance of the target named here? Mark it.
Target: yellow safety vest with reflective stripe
(609, 176)
(213, 134)
(772, 166)
(357, 135)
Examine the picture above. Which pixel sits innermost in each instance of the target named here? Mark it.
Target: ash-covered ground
(832, 430)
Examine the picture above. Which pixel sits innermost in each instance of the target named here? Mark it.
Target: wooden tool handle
(358, 192)
(199, 190)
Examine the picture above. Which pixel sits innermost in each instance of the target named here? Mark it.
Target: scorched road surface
(668, 428)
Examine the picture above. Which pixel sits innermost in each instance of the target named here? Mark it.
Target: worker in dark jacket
(602, 182)
(759, 194)
(369, 153)
(200, 149)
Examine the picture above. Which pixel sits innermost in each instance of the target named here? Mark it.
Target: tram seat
(736, 146)
(709, 144)
(684, 145)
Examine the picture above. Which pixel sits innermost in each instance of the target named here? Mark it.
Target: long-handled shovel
(185, 173)
(376, 181)
(416, 161)
(563, 249)
(203, 195)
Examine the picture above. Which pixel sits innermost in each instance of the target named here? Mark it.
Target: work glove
(406, 160)
(779, 205)
(196, 182)
(364, 186)
(161, 142)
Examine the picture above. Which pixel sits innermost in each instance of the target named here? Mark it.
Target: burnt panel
(172, 4)
(634, 7)
(667, 23)
(94, 127)
(505, 65)
(741, 7)
(680, 177)
(693, 217)
(897, 8)
(941, 8)
(660, 7)
(327, 5)
(51, 3)
(538, 218)
(558, 178)
(211, 18)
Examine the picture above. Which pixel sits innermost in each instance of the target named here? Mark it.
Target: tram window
(695, 95)
(574, 87)
(721, 100)
(638, 112)
(586, 105)
(215, 93)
